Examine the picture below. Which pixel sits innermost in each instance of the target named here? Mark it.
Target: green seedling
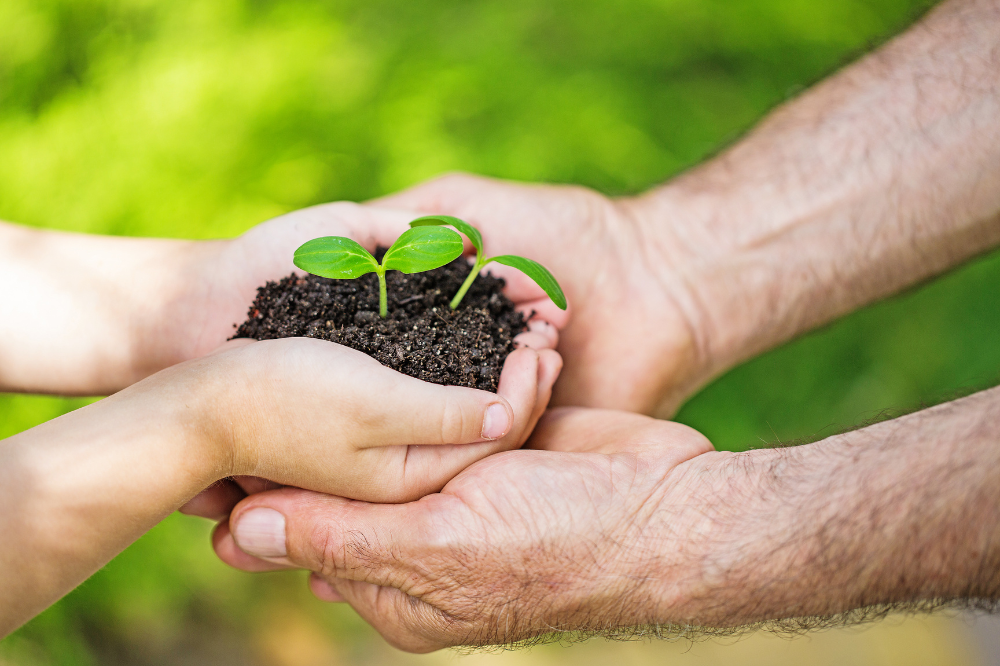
(542, 277)
(415, 251)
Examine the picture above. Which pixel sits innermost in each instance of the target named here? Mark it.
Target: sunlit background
(199, 118)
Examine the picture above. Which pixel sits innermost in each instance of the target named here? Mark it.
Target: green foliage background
(199, 119)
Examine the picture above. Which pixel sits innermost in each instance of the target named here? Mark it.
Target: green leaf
(541, 275)
(461, 225)
(422, 249)
(335, 257)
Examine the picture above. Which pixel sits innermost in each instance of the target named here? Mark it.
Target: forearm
(883, 175)
(902, 512)
(84, 314)
(77, 490)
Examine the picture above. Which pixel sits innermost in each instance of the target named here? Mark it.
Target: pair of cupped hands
(416, 503)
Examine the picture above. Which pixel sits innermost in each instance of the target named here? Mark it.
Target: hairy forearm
(82, 314)
(902, 512)
(883, 175)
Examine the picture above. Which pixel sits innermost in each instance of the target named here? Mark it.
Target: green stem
(478, 266)
(383, 298)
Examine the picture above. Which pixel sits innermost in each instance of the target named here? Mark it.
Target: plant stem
(478, 266)
(383, 298)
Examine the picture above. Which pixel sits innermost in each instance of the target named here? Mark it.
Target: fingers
(550, 365)
(365, 554)
(323, 590)
(404, 622)
(526, 382)
(254, 484)
(544, 309)
(329, 535)
(412, 412)
(540, 335)
(227, 550)
(375, 406)
(215, 502)
(578, 429)
(426, 469)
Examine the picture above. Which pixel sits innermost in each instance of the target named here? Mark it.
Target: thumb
(607, 431)
(332, 536)
(386, 560)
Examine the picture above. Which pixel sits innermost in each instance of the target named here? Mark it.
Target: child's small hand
(299, 412)
(317, 415)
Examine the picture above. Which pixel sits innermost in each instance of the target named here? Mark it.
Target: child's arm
(90, 315)
(309, 413)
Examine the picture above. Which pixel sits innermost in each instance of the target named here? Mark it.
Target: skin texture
(882, 176)
(80, 488)
(876, 179)
(248, 416)
(178, 302)
(677, 537)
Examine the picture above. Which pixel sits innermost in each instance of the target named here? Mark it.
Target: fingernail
(496, 423)
(261, 533)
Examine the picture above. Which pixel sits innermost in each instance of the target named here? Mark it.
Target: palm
(628, 345)
(222, 276)
(525, 542)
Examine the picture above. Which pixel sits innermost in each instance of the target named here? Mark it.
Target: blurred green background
(199, 119)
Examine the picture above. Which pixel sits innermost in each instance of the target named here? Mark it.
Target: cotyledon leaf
(542, 277)
(463, 226)
(423, 248)
(335, 257)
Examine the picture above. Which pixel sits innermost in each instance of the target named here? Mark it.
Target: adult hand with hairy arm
(616, 523)
(880, 177)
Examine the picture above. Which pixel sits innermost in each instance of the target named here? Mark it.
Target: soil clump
(422, 336)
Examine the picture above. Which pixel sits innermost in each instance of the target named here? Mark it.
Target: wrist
(82, 487)
(172, 304)
(699, 270)
(899, 513)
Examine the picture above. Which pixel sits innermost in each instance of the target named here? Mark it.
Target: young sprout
(542, 277)
(415, 251)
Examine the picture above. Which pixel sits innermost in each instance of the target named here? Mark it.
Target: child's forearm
(79, 311)
(77, 490)
(307, 413)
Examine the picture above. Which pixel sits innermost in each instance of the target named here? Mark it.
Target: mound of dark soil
(422, 336)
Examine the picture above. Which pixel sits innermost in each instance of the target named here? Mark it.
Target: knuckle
(454, 421)
(325, 550)
(341, 553)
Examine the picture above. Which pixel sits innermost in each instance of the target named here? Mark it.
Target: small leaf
(335, 257)
(541, 275)
(422, 249)
(461, 225)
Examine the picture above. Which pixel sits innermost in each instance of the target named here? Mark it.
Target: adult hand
(521, 543)
(876, 179)
(635, 338)
(620, 521)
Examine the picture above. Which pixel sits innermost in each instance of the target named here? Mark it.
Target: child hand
(317, 415)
